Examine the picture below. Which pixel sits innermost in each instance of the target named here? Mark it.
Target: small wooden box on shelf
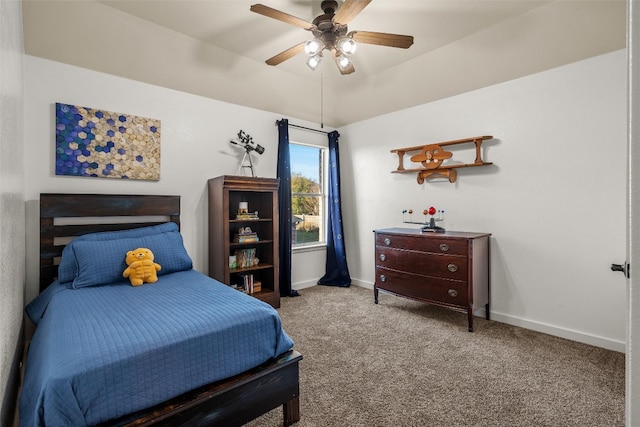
(243, 235)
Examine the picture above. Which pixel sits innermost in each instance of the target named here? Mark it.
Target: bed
(186, 350)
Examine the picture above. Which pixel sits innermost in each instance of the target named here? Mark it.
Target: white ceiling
(231, 26)
(217, 48)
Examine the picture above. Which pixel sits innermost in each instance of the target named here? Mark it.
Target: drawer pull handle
(444, 247)
(382, 278)
(382, 257)
(452, 268)
(387, 241)
(452, 293)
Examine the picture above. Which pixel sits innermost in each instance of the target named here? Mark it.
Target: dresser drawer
(428, 264)
(452, 292)
(431, 243)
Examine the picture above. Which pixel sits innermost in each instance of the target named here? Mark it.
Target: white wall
(554, 200)
(195, 146)
(12, 246)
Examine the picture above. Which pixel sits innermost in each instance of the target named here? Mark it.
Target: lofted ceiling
(217, 48)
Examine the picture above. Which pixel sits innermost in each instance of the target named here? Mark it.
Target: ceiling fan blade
(287, 54)
(280, 16)
(382, 39)
(346, 70)
(349, 10)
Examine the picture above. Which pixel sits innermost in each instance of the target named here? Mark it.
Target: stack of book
(246, 237)
(248, 285)
(247, 215)
(245, 257)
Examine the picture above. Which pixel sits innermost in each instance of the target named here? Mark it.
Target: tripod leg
(250, 163)
(241, 164)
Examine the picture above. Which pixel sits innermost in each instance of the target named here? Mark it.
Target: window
(308, 199)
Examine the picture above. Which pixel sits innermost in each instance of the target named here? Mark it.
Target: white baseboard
(302, 285)
(545, 328)
(569, 334)
(362, 284)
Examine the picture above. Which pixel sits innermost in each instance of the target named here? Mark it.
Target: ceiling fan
(330, 33)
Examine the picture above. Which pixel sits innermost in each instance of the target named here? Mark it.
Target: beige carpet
(403, 363)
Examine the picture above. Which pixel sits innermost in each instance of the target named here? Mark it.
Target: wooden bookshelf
(261, 195)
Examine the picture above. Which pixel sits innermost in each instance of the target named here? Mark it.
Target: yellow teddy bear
(141, 267)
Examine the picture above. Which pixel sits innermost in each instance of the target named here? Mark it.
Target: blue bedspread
(102, 352)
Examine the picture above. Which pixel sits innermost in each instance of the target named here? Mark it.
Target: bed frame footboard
(231, 402)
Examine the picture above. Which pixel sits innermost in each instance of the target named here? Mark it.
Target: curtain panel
(284, 209)
(337, 271)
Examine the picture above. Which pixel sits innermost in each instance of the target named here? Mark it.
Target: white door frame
(632, 389)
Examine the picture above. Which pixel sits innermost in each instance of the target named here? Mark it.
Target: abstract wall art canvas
(99, 143)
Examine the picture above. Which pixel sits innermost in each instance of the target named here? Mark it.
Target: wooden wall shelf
(432, 156)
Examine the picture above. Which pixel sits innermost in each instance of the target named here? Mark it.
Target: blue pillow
(101, 262)
(68, 268)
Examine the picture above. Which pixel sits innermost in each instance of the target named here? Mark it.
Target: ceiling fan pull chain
(322, 98)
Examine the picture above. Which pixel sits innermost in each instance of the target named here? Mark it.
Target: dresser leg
(487, 313)
(375, 295)
(470, 319)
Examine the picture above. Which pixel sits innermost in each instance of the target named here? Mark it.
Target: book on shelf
(247, 216)
(245, 235)
(246, 258)
(246, 238)
(247, 284)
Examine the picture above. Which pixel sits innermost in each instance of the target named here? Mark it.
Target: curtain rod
(305, 128)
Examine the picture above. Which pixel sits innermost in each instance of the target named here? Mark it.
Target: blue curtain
(284, 208)
(337, 272)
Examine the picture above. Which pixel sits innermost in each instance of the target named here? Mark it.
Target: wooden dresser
(447, 269)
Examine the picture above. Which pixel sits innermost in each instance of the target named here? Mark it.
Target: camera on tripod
(246, 142)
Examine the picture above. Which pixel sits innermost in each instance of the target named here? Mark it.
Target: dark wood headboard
(92, 213)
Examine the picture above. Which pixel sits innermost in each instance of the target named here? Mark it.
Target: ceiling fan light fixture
(313, 47)
(314, 61)
(343, 61)
(346, 45)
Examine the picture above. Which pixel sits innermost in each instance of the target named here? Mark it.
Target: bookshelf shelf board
(244, 245)
(253, 268)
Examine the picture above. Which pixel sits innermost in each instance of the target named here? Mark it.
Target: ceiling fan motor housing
(324, 22)
(325, 28)
(329, 6)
